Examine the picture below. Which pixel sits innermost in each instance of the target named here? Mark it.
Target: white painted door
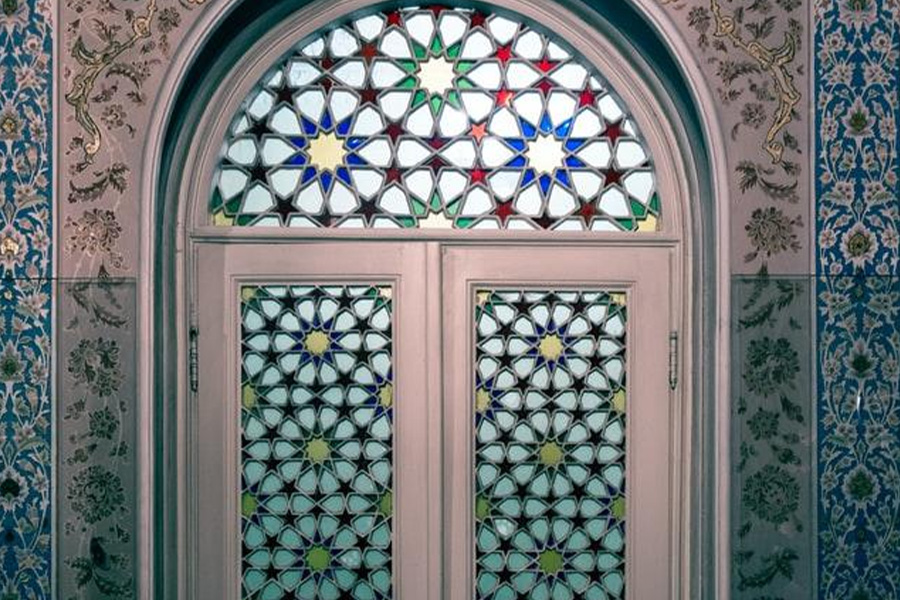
(421, 420)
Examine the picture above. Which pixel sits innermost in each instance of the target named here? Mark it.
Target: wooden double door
(427, 420)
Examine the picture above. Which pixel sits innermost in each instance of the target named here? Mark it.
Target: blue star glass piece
(564, 129)
(309, 128)
(518, 145)
(517, 162)
(528, 130)
(573, 145)
(343, 127)
(327, 121)
(574, 163)
(344, 175)
(529, 177)
(327, 179)
(545, 183)
(297, 160)
(546, 124)
(354, 143)
(298, 141)
(309, 174)
(355, 160)
(563, 177)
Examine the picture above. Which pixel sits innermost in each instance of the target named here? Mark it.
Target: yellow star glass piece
(316, 343)
(326, 152)
(551, 347)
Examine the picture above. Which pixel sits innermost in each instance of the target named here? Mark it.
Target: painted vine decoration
(94, 62)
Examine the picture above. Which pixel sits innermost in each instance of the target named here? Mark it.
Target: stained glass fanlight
(435, 117)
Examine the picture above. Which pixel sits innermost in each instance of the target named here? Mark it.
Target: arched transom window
(435, 117)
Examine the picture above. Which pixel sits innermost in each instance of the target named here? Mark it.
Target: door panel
(310, 431)
(551, 494)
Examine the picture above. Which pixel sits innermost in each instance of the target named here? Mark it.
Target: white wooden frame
(707, 252)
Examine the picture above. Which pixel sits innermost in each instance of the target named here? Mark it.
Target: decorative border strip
(25, 305)
(857, 77)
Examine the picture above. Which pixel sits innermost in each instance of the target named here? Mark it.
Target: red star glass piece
(545, 86)
(368, 95)
(504, 97)
(393, 175)
(587, 211)
(393, 131)
(326, 83)
(326, 63)
(613, 131)
(437, 9)
(545, 66)
(612, 176)
(504, 210)
(504, 53)
(436, 143)
(478, 131)
(587, 98)
(477, 19)
(477, 176)
(368, 52)
(394, 18)
(436, 164)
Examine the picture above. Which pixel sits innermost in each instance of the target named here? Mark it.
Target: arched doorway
(627, 260)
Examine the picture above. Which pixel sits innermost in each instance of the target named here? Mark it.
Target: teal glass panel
(317, 401)
(550, 445)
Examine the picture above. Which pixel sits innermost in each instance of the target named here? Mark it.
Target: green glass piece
(436, 204)
(420, 97)
(464, 84)
(453, 99)
(436, 46)
(464, 223)
(464, 66)
(638, 209)
(654, 203)
(454, 50)
(627, 224)
(419, 208)
(436, 103)
(419, 51)
(408, 84)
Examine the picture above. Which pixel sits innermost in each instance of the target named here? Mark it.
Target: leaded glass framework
(435, 117)
(550, 445)
(317, 402)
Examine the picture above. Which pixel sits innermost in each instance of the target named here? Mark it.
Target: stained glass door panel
(547, 351)
(550, 397)
(317, 408)
(303, 478)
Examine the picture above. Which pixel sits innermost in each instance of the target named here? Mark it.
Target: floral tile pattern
(857, 53)
(25, 263)
(772, 440)
(96, 474)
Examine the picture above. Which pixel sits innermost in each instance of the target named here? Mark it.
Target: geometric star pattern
(316, 442)
(435, 117)
(550, 445)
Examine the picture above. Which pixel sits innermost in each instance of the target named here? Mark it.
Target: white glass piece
(502, 28)
(640, 185)
(504, 124)
(451, 184)
(529, 201)
(452, 27)
(394, 201)
(477, 104)
(436, 75)
(311, 104)
(614, 204)
(411, 152)
(258, 200)
(530, 106)
(421, 27)
(529, 45)
(494, 153)
(314, 48)
(505, 183)
(343, 43)
(596, 154)
(560, 107)
(452, 121)
(232, 182)
(284, 181)
(242, 152)
(369, 27)
(570, 75)
(420, 184)
(386, 74)
(302, 72)
(545, 154)
(521, 75)
(261, 105)
(477, 45)
(556, 52)
(341, 200)
(351, 73)
(460, 153)
(343, 103)
(395, 104)
(477, 202)
(377, 153)
(587, 125)
(276, 150)
(368, 122)
(560, 202)
(395, 45)
(629, 154)
(366, 181)
(285, 122)
(421, 121)
(310, 199)
(609, 108)
(486, 75)
(586, 183)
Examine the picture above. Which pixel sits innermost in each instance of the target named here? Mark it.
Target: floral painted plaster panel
(25, 264)
(754, 54)
(773, 465)
(114, 56)
(857, 66)
(96, 413)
